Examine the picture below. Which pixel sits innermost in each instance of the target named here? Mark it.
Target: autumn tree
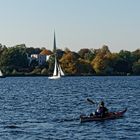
(69, 62)
(102, 61)
(86, 54)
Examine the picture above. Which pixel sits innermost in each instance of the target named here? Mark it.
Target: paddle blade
(91, 101)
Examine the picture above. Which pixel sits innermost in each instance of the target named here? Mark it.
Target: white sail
(55, 68)
(61, 72)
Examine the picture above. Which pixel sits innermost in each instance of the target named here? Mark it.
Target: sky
(77, 23)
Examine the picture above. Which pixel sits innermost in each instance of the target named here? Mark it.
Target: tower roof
(46, 52)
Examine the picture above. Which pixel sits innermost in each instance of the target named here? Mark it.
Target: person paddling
(101, 110)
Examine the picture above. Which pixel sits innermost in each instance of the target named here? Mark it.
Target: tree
(34, 63)
(59, 53)
(102, 61)
(14, 57)
(86, 54)
(32, 50)
(126, 59)
(82, 52)
(69, 63)
(105, 49)
(84, 67)
(67, 50)
(136, 68)
(122, 66)
(136, 55)
(51, 62)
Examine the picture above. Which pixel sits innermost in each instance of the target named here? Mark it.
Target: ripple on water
(38, 108)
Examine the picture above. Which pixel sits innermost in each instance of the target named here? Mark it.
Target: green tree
(136, 68)
(32, 50)
(126, 61)
(136, 55)
(14, 57)
(51, 64)
(84, 67)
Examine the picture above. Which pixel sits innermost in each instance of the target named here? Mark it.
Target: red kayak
(110, 115)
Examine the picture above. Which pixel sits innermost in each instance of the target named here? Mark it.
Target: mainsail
(55, 67)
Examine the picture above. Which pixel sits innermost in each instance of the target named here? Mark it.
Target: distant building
(46, 53)
(41, 58)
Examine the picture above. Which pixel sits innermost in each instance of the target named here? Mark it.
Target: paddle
(91, 101)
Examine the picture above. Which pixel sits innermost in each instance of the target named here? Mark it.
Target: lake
(36, 108)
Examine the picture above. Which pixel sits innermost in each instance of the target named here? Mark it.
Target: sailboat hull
(54, 77)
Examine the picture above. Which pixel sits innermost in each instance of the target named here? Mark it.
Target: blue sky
(77, 23)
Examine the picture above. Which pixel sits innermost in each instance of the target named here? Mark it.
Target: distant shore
(22, 61)
(78, 75)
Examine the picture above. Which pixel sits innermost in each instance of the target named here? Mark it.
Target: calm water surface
(35, 108)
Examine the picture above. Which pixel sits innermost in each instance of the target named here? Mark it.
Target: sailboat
(57, 73)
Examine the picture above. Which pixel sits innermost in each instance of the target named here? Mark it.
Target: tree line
(15, 61)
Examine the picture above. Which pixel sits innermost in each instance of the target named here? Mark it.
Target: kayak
(108, 116)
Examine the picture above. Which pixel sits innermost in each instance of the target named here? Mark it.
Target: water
(35, 108)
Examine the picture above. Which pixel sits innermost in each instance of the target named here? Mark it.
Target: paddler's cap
(102, 103)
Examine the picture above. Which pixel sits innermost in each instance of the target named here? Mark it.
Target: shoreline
(66, 75)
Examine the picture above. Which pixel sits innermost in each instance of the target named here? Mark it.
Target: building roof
(46, 52)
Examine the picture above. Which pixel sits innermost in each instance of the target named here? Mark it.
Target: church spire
(54, 45)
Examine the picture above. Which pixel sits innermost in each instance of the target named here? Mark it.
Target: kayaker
(101, 110)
